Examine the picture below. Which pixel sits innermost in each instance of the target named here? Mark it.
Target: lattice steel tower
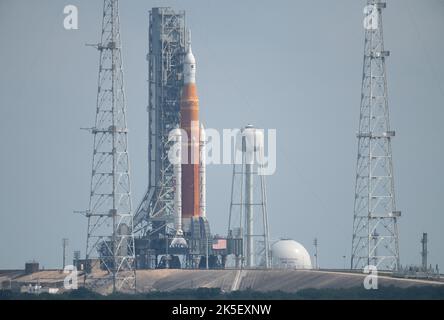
(375, 233)
(165, 79)
(110, 241)
(248, 194)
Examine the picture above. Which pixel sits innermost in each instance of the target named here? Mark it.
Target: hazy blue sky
(291, 65)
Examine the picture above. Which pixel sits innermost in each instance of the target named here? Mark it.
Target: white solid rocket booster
(202, 171)
(178, 240)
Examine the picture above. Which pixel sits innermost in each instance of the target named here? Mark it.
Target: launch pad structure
(154, 218)
(165, 73)
(170, 228)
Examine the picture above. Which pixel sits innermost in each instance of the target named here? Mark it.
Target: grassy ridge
(358, 293)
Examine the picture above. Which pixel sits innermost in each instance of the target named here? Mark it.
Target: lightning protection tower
(248, 194)
(375, 232)
(424, 252)
(64, 246)
(110, 240)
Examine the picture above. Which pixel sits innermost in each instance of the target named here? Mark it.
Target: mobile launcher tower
(170, 224)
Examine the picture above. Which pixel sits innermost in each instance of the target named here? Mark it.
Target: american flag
(219, 244)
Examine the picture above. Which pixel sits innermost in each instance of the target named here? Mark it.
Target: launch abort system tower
(375, 231)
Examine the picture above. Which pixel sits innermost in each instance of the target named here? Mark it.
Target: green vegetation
(384, 293)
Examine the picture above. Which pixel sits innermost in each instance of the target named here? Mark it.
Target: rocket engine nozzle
(179, 241)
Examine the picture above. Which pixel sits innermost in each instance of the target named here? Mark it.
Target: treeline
(358, 293)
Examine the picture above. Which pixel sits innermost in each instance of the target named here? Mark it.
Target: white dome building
(289, 254)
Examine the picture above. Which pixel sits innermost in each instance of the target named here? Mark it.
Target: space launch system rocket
(190, 178)
(193, 167)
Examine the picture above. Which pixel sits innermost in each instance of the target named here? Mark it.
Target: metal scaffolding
(375, 232)
(165, 67)
(110, 241)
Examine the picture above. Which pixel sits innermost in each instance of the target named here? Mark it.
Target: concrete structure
(227, 280)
